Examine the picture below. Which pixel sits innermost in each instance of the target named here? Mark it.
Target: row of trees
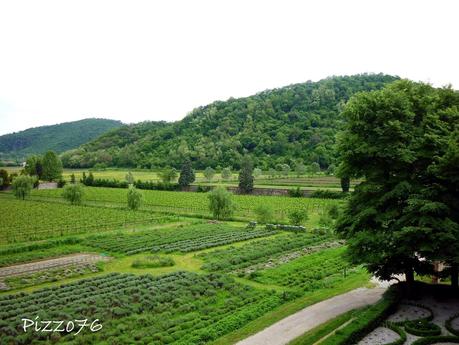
(47, 167)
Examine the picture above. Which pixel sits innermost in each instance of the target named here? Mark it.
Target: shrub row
(113, 183)
(328, 194)
(449, 325)
(436, 340)
(285, 227)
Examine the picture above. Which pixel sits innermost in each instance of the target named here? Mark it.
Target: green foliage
(153, 261)
(134, 198)
(129, 178)
(314, 168)
(275, 126)
(226, 174)
(300, 169)
(257, 172)
(246, 176)
(209, 173)
(436, 340)
(72, 179)
(168, 175)
(422, 328)
(345, 184)
(73, 193)
(333, 211)
(401, 141)
(295, 192)
(220, 203)
(34, 166)
(6, 181)
(52, 167)
(58, 138)
(265, 214)
(298, 217)
(187, 176)
(327, 194)
(22, 185)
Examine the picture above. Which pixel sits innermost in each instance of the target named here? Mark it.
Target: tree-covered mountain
(58, 138)
(296, 122)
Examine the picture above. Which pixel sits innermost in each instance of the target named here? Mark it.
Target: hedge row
(449, 325)
(436, 340)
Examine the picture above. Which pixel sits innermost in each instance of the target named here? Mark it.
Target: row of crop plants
(181, 239)
(30, 220)
(178, 308)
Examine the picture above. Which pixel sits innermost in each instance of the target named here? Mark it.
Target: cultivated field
(175, 276)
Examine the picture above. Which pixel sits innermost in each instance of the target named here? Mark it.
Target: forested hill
(59, 138)
(296, 122)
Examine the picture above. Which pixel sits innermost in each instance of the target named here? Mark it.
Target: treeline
(292, 125)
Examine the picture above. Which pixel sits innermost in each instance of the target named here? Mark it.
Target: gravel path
(43, 265)
(293, 326)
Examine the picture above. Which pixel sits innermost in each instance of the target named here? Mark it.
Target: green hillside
(59, 138)
(296, 122)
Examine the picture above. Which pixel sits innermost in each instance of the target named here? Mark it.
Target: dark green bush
(436, 340)
(328, 194)
(422, 328)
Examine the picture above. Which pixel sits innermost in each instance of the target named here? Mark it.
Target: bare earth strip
(42, 265)
(295, 325)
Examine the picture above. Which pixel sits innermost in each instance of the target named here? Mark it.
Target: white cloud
(157, 60)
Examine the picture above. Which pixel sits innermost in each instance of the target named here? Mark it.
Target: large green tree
(187, 175)
(246, 176)
(402, 141)
(22, 185)
(52, 167)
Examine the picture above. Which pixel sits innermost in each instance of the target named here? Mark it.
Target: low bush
(153, 261)
(328, 194)
(295, 193)
(397, 330)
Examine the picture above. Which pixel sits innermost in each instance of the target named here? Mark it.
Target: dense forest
(58, 138)
(280, 126)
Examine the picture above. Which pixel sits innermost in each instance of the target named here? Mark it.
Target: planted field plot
(186, 239)
(32, 220)
(179, 308)
(316, 270)
(242, 259)
(197, 203)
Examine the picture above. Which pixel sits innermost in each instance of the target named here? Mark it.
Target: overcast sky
(157, 60)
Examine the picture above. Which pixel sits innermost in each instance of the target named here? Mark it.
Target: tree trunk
(454, 276)
(409, 278)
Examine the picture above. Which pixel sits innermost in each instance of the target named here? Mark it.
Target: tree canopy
(403, 141)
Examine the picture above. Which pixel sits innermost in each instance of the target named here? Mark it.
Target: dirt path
(293, 326)
(42, 265)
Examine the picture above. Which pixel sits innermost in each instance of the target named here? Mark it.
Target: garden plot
(75, 263)
(435, 312)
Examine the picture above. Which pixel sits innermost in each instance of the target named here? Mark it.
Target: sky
(157, 60)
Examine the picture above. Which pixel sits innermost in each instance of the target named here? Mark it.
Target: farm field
(209, 280)
(188, 203)
(310, 182)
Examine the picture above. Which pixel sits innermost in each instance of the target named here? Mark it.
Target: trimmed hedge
(422, 328)
(328, 194)
(397, 330)
(367, 321)
(449, 326)
(436, 340)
